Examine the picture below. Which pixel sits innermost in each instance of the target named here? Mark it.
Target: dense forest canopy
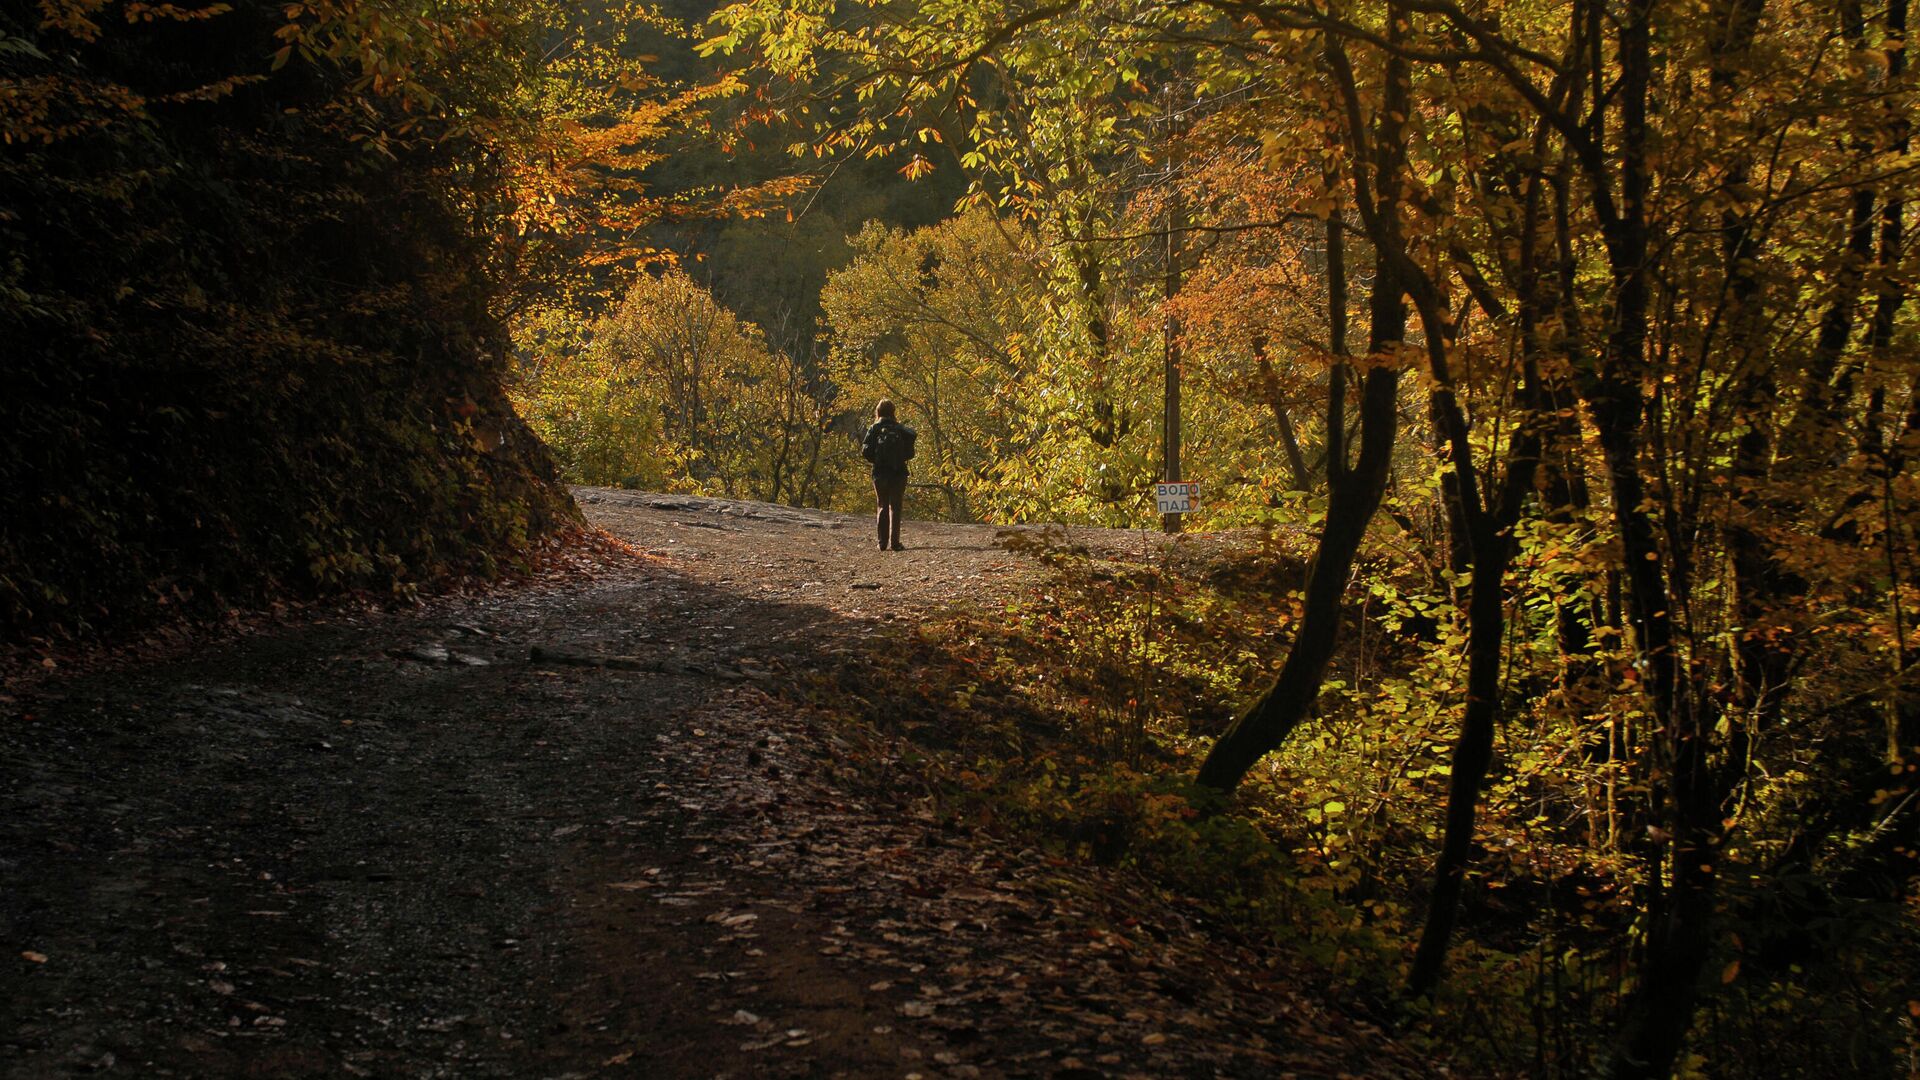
(1563, 350)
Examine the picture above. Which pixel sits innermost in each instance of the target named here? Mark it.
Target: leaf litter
(746, 904)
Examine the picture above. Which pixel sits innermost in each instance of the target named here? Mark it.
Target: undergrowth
(1076, 718)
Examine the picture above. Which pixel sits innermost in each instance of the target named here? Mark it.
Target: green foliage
(1074, 720)
(1653, 578)
(599, 425)
(934, 320)
(672, 389)
(1656, 480)
(943, 321)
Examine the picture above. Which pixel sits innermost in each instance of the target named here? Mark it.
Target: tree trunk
(1104, 427)
(1276, 401)
(1893, 215)
(1170, 430)
(1481, 521)
(1659, 1013)
(1353, 492)
(1472, 755)
(1353, 497)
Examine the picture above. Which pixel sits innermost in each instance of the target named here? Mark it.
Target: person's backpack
(893, 446)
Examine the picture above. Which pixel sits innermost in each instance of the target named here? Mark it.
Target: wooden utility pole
(1170, 328)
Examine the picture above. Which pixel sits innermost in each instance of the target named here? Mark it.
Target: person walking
(889, 446)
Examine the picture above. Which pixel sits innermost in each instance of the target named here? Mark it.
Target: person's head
(884, 410)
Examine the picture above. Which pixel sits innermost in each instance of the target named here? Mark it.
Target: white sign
(1176, 498)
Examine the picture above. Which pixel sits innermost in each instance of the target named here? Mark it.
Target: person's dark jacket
(870, 448)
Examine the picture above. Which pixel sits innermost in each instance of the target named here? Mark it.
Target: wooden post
(1170, 329)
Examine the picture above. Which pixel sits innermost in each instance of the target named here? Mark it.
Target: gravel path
(577, 827)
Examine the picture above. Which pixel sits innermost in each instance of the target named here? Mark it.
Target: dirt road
(578, 828)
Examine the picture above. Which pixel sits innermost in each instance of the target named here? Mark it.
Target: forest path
(443, 842)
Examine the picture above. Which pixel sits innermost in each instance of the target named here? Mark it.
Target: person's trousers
(890, 492)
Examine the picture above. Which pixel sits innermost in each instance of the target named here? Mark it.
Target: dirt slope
(573, 828)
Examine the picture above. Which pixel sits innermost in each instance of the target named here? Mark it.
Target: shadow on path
(396, 845)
